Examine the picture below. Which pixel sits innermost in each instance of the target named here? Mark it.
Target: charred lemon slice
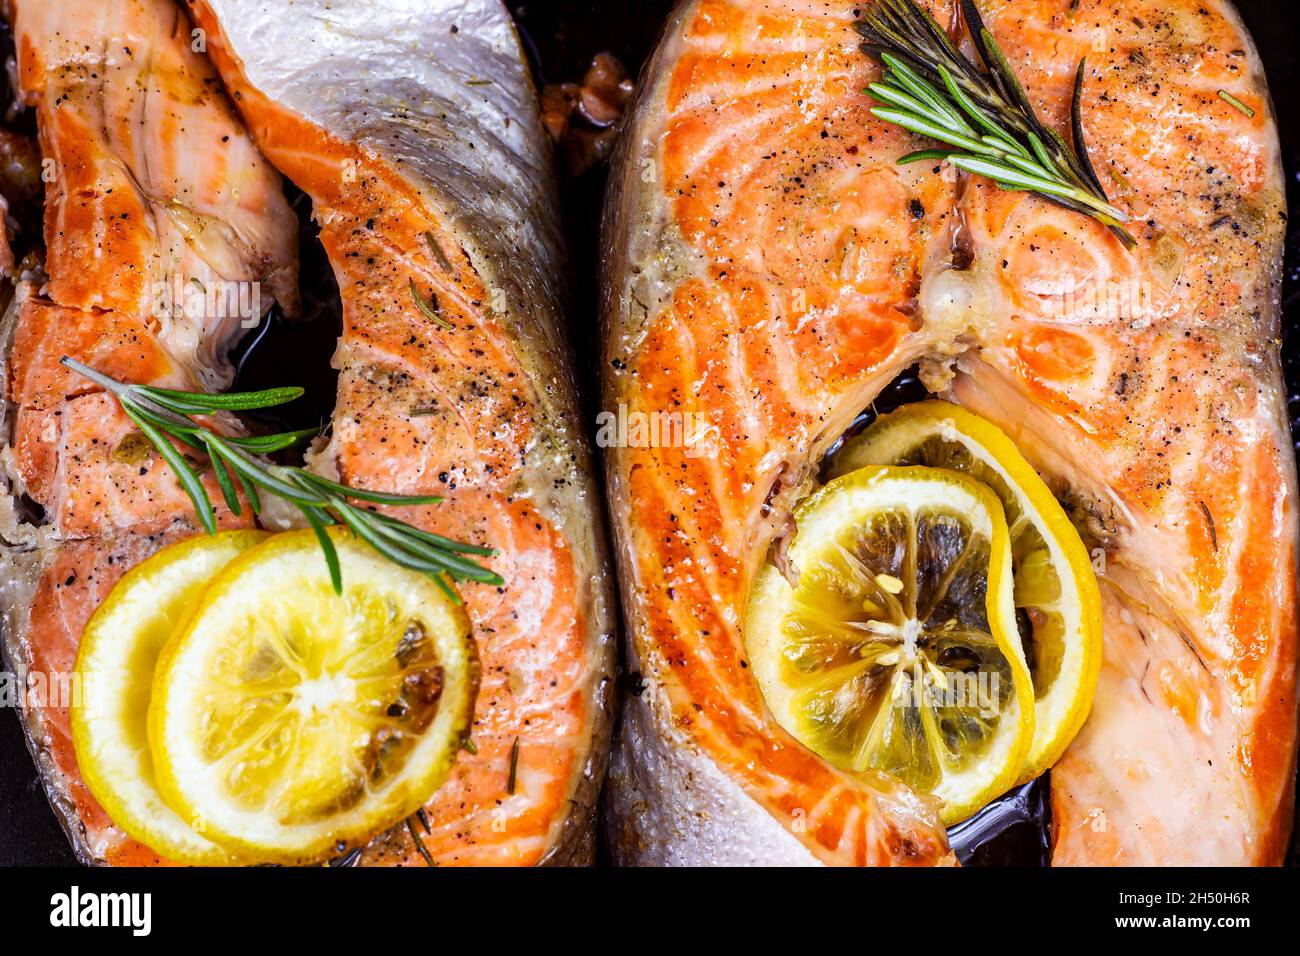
(115, 667)
(894, 649)
(1057, 601)
(289, 722)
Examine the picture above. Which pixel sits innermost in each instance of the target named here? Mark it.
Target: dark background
(562, 36)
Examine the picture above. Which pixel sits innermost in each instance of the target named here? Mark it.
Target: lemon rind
(119, 773)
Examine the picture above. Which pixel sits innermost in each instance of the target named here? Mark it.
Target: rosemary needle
(164, 417)
(514, 767)
(419, 844)
(429, 307)
(981, 114)
(1236, 104)
(438, 253)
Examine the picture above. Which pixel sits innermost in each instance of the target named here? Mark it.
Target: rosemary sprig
(164, 415)
(980, 113)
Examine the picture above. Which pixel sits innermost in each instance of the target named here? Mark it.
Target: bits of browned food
(581, 117)
(20, 192)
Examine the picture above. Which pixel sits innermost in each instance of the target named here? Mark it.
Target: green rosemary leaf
(222, 401)
(438, 254)
(937, 34)
(925, 155)
(1028, 166)
(1236, 104)
(924, 127)
(1000, 173)
(418, 552)
(1008, 149)
(165, 403)
(902, 74)
(318, 523)
(250, 492)
(265, 444)
(186, 435)
(1001, 69)
(1039, 150)
(223, 480)
(888, 94)
(973, 111)
(184, 473)
(1076, 127)
(414, 546)
(438, 540)
(378, 497)
(514, 767)
(445, 587)
(267, 478)
(366, 532)
(429, 308)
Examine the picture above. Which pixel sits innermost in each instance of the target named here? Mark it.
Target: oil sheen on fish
(770, 267)
(413, 125)
(153, 191)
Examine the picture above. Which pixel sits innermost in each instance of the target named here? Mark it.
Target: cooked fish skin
(413, 126)
(770, 268)
(118, 93)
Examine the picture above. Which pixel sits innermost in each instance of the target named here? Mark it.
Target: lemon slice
(115, 667)
(1058, 604)
(896, 649)
(290, 722)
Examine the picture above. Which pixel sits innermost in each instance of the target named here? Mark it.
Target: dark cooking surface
(562, 35)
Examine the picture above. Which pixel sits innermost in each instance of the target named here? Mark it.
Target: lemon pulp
(894, 650)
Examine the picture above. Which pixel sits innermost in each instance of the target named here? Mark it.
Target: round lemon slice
(1056, 595)
(290, 722)
(115, 667)
(895, 648)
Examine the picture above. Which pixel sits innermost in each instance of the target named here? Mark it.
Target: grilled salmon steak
(414, 127)
(771, 267)
(164, 227)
